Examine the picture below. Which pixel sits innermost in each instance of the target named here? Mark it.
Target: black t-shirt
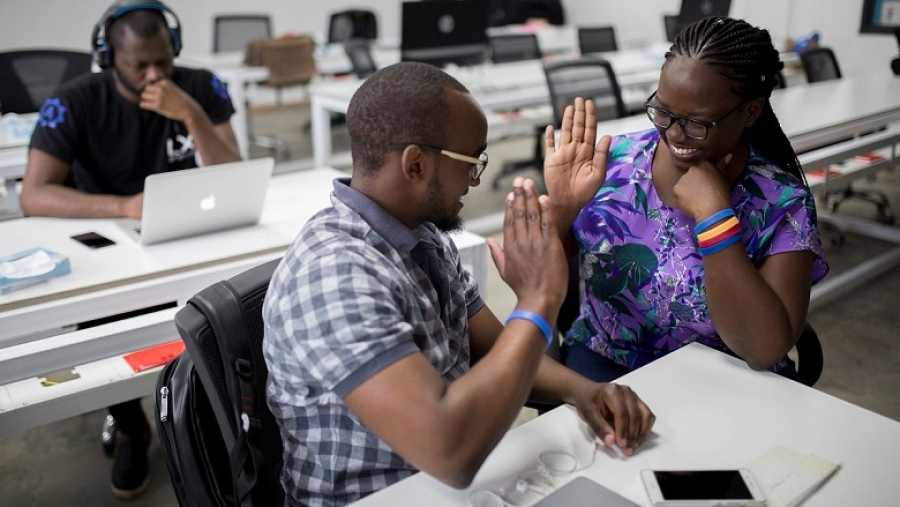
(112, 145)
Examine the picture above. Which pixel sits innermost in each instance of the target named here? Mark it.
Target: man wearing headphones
(102, 134)
(99, 137)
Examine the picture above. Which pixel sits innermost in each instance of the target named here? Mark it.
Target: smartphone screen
(93, 240)
(702, 485)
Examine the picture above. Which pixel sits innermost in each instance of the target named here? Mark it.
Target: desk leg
(239, 119)
(321, 132)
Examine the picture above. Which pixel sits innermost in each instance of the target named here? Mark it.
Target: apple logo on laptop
(208, 202)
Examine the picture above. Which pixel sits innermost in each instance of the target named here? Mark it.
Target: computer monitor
(695, 10)
(514, 12)
(882, 16)
(444, 32)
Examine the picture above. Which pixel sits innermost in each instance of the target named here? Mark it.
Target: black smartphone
(93, 240)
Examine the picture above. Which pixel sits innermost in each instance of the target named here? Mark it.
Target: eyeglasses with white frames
(478, 164)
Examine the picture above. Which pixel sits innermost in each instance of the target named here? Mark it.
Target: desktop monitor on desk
(882, 16)
(695, 10)
(444, 32)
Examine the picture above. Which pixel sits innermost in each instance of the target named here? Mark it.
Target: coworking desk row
(36, 332)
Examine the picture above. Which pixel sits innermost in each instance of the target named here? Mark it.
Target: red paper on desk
(868, 158)
(820, 173)
(152, 357)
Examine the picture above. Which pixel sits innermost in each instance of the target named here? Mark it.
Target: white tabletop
(35, 322)
(712, 412)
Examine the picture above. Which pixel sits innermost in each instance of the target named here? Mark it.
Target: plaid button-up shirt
(347, 300)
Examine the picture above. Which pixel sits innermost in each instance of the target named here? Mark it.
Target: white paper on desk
(787, 477)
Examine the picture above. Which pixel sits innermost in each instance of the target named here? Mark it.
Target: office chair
(782, 82)
(360, 57)
(231, 32)
(514, 48)
(598, 39)
(30, 76)
(670, 22)
(221, 443)
(291, 62)
(587, 77)
(352, 24)
(820, 64)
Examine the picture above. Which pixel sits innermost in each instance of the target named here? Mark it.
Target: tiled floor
(62, 463)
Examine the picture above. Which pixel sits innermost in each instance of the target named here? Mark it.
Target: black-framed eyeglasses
(695, 129)
(478, 164)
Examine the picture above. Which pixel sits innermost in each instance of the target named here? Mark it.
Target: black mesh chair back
(513, 48)
(231, 32)
(819, 64)
(670, 22)
(782, 81)
(29, 77)
(360, 56)
(597, 39)
(589, 78)
(352, 24)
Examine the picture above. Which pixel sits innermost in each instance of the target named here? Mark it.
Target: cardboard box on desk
(28, 267)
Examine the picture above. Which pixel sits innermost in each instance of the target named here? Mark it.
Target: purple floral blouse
(644, 292)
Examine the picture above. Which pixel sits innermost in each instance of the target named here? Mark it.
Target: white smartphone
(702, 488)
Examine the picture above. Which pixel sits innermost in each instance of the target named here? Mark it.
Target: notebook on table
(191, 202)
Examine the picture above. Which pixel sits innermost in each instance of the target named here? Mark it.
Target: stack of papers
(787, 477)
(26, 268)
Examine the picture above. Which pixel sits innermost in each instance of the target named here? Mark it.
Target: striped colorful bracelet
(715, 217)
(535, 319)
(720, 233)
(721, 245)
(718, 230)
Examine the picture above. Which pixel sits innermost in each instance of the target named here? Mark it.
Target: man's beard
(445, 221)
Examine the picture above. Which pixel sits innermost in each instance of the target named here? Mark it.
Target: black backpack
(221, 443)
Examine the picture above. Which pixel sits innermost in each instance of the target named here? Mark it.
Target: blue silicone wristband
(535, 319)
(719, 215)
(722, 245)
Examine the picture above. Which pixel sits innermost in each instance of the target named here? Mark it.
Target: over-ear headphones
(100, 45)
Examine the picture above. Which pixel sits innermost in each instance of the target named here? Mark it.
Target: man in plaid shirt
(383, 359)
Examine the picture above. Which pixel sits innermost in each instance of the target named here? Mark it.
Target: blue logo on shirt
(52, 113)
(219, 87)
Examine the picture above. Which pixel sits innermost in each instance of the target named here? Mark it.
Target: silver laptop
(190, 202)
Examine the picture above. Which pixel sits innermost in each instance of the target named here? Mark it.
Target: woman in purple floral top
(632, 208)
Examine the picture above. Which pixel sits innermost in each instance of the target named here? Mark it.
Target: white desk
(128, 277)
(497, 87)
(712, 412)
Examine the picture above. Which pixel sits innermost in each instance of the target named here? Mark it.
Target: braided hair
(746, 56)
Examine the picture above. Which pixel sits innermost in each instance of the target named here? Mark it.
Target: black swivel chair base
(885, 214)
